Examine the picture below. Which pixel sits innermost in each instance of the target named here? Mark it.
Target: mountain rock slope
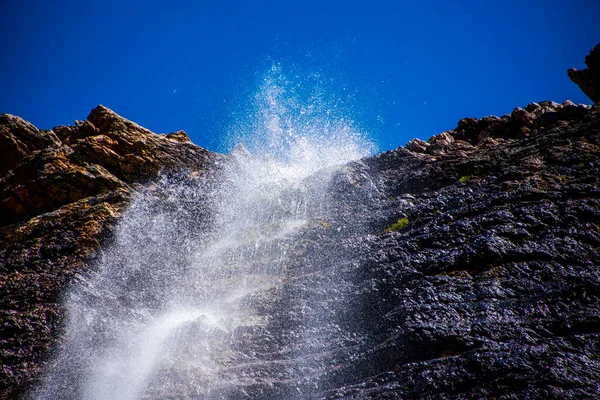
(471, 261)
(61, 192)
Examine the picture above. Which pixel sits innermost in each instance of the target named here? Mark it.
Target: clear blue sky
(406, 68)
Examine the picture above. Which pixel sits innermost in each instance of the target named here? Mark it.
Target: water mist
(180, 304)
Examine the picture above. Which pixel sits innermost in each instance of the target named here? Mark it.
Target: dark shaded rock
(588, 79)
(492, 289)
(489, 290)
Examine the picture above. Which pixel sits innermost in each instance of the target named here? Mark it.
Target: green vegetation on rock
(400, 224)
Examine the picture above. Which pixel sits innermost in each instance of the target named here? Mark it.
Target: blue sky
(402, 69)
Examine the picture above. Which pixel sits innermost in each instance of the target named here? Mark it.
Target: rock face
(589, 79)
(466, 266)
(488, 285)
(61, 191)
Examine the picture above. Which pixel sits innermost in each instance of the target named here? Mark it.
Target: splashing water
(176, 305)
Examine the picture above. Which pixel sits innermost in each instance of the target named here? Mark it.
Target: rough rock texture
(589, 79)
(61, 191)
(492, 289)
(466, 266)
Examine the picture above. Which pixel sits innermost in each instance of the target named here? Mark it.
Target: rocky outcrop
(588, 79)
(61, 192)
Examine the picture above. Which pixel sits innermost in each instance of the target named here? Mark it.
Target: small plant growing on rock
(465, 179)
(400, 224)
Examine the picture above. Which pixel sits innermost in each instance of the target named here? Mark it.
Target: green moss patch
(400, 224)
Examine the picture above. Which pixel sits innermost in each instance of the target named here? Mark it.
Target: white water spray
(170, 311)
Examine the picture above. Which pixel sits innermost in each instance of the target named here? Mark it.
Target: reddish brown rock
(18, 138)
(61, 192)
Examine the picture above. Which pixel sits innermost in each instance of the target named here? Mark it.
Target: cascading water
(184, 302)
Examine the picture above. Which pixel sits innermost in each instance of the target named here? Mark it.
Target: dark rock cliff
(589, 79)
(472, 258)
(490, 288)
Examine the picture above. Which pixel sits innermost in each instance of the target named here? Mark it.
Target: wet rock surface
(491, 289)
(466, 266)
(61, 193)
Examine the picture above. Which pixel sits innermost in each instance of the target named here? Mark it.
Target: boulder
(588, 79)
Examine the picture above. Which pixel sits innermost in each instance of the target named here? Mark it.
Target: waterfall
(183, 302)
